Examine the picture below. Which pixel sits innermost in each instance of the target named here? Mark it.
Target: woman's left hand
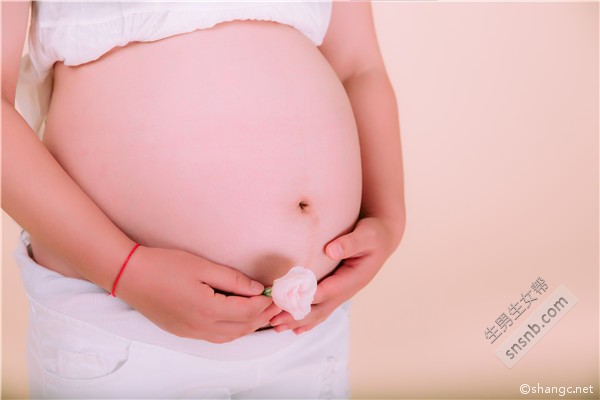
(363, 251)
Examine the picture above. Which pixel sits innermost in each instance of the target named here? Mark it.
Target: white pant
(82, 343)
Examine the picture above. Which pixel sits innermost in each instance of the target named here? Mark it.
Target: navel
(303, 205)
(309, 213)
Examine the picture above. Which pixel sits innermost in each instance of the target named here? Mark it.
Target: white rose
(295, 291)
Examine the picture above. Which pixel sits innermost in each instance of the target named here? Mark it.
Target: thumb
(343, 247)
(230, 280)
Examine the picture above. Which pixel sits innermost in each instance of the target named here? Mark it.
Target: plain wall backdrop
(498, 107)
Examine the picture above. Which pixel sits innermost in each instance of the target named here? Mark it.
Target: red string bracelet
(122, 269)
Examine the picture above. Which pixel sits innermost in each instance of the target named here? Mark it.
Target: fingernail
(256, 287)
(335, 251)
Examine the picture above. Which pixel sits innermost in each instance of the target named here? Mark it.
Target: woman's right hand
(174, 289)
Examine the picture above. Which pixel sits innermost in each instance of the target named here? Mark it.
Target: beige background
(499, 113)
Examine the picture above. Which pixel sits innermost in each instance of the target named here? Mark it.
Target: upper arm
(350, 44)
(15, 15)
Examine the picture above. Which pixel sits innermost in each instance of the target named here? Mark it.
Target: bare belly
(236, 143)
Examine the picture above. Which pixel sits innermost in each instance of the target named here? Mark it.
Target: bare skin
(245, 167)
(297, 197)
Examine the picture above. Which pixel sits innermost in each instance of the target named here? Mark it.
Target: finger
(352, 244)
(317, 314)
(230, 280)
(237, 308)
(283, 317)
(266, 316)
(305, 328)
(259, 321)
(334, 285)
(281, 328)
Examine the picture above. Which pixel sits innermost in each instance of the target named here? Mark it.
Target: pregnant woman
(231, 141)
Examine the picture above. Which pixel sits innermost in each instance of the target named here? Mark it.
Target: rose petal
(295, 291)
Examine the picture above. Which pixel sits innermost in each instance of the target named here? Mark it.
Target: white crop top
(80, 32)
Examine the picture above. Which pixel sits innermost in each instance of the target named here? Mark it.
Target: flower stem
(267, 292)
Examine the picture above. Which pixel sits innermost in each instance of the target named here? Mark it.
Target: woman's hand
(174, 289)
(363, 252)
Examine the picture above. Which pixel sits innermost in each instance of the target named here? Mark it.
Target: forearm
(374, 105)
(39, 194)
